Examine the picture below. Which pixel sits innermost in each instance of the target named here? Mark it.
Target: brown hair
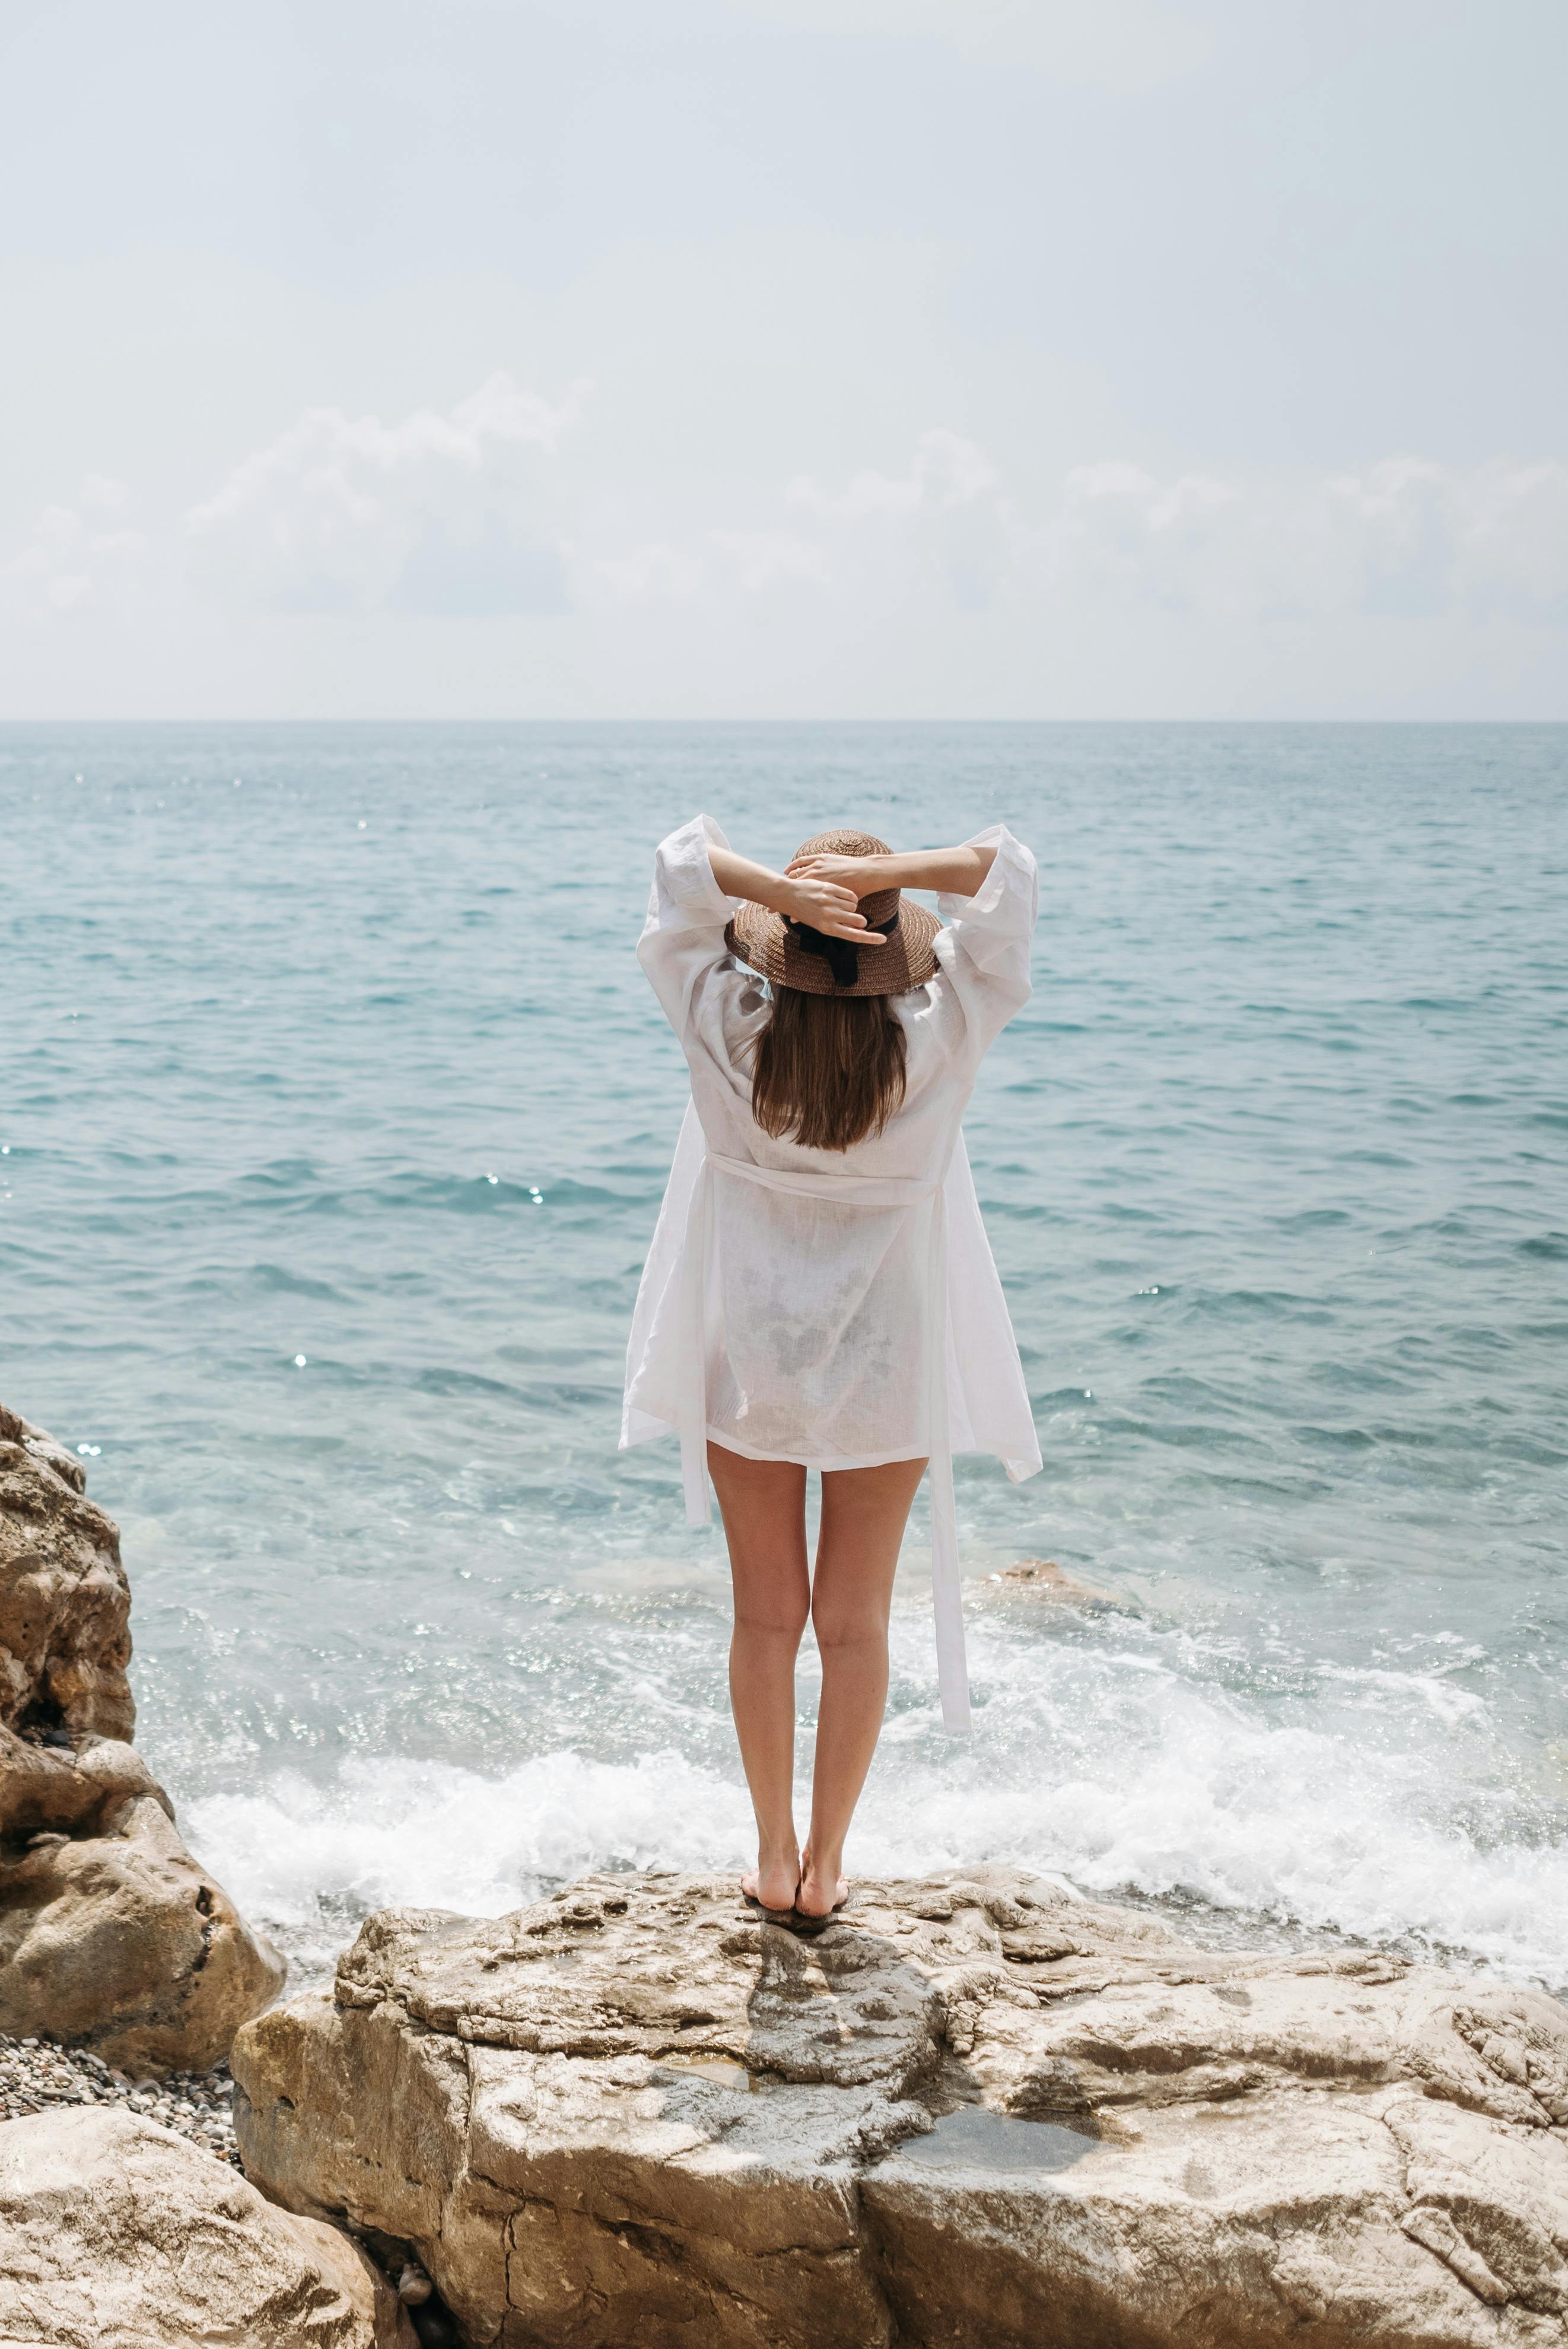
(828, 1068)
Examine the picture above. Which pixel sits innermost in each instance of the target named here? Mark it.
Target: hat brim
(758, 937)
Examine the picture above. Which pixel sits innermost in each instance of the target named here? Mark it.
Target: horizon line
(373, 720)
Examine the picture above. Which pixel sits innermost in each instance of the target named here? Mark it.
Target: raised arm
(698, 880)
(823, 900)
(987, 891)
(954, 871)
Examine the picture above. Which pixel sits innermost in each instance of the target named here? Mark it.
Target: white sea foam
(306, 1859)
(1121, 1780)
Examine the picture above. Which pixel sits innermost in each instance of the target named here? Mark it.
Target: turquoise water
(329, 1043)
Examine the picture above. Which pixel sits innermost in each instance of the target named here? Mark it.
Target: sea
(335, 1117)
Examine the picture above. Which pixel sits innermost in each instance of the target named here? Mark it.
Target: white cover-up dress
(839, 1308)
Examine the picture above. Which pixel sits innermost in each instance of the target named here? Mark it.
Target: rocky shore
(976, 2112)
(111, 1935)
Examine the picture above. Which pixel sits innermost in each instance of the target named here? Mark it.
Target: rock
(64, 1603)
(110, 1932)
(976, 2112)
(114, 2230)
(1042, 1577)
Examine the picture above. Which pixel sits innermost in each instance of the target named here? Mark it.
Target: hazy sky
(783, 358)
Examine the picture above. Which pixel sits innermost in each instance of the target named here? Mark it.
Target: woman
(820, 1293)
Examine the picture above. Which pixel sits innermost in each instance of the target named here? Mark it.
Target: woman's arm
(823, 900)
(956, 872)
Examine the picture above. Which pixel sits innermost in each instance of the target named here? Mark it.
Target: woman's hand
(826, 903)
(860, 875)
(823, 904)
(956, 872)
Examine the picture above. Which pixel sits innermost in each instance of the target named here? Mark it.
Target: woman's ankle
(825, 1866)
(778, 1873)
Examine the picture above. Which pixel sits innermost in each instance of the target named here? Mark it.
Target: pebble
(37, 2073)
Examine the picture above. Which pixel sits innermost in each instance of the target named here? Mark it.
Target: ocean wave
(1109, 1767)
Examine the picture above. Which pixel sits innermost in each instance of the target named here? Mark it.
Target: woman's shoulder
(934, 1024)
(735, 998)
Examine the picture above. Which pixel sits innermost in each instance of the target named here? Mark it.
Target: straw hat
(792, 953)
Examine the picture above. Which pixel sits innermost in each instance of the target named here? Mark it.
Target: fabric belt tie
(849, 1191)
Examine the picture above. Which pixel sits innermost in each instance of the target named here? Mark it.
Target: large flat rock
(117, 2234)
(974, 2111)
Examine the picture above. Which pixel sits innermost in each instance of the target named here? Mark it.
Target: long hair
(828, 1068)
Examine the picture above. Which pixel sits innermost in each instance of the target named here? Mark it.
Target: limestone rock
(110, 1931)
(976, 2112)
(64, 1603)
(115, 2230)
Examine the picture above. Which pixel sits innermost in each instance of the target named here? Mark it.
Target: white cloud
(946, 471)
(939, 500)
(927, 581)
(452, 515)
(750, 560)
(101, 490)
(1122, 45)
(943, 516)
(912, 551)
(70, 554)
(655, 569)
(1406, 538)
(761, 558)
(1492, 539)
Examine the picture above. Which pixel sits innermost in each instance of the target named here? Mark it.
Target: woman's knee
(776, 1609)
(849, 1619)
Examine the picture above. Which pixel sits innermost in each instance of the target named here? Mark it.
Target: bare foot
(773, 1883)
(821, 1892)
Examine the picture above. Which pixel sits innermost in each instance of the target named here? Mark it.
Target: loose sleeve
(682, 938)
(985, 949)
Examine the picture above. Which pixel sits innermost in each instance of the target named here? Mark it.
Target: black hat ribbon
(843, 956)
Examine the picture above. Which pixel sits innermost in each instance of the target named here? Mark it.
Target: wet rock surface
(110, 1932)
(974, 2110)
(1044, 1579)
(114, 2230)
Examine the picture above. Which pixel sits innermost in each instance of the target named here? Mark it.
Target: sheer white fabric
(839, 1309)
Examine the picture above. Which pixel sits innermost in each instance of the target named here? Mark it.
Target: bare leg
(764, 1508)
(864, 1511)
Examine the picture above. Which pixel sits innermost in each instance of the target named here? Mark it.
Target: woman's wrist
(953, 871)
(912, 868)
(738, 876)
(868, 875)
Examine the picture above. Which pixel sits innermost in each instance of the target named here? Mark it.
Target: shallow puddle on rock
(974, 2138)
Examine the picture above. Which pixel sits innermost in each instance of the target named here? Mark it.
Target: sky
(783, 358)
